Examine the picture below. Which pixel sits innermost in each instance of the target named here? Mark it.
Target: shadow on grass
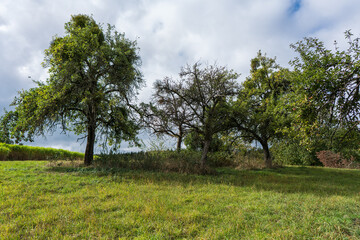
(310, 180)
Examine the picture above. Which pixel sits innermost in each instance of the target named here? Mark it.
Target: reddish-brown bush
(334, 160)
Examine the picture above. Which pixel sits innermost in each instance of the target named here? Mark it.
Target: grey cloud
(169, 33)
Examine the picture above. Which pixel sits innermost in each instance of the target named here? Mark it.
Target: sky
(170, 34)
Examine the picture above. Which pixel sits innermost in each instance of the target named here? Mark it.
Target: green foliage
(93, 75)
(4, 152)
(206, 92)
(290, 152)
(21, 152)
(185, 161)
(164, 161)
(167, 113)
(39, 202)
(194, 141)
(324, 101)
(255, 112)
(250, 159)
(8, 132)
(221, 159)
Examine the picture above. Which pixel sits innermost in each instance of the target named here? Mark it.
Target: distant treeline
(21, 152)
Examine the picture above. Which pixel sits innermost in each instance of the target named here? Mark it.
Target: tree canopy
(254, 110)
(93, 75)
(167, 113)
(324, 103)
(206, 91)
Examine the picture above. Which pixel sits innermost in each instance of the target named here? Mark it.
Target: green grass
(40, 202)
(23, 152)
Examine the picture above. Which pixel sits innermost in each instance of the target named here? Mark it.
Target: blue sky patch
(295, 6)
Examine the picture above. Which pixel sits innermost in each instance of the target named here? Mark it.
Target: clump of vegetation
(164, 161)
(93, 74)
(21, 152)
(181, 162)
(293, 153)
(4, 152)
(198, 99)
(251, 160)
(336, 160)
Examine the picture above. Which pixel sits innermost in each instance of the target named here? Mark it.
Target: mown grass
(38, 201)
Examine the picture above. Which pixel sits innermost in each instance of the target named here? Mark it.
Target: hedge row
(21, 152)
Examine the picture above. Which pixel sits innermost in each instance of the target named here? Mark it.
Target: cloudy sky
(170, 34)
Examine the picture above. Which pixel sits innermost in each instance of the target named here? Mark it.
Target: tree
(205, 90)
(93, 75)
(254, 111)
(7, 123)
(325, 102)
(167, 113)
(195, 142)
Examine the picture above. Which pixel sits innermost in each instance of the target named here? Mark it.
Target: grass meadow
(39, 201)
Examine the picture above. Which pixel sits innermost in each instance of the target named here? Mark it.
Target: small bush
(292, 153)
(221, 159)
(335, 160)
(4, 152)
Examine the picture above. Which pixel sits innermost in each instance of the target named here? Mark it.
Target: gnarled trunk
(178, 145)
(89, 151)
(179, 139)
(267, 155)
(204, 154)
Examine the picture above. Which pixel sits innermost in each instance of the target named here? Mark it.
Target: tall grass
(22, 152)
(181, 162)
(164, 161)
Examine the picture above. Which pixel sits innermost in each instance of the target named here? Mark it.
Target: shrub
(292, 153)
(351, 153)
(335, 160)
(4, 152)
(221, 159)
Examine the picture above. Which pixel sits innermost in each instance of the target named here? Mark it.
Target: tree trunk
(89, 152)
(206, 149)
(267, 155)
(179, 141)
(178, 145)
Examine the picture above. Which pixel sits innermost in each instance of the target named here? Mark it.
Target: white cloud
(170, 33)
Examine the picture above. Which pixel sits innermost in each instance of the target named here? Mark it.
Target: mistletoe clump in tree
(93, 75)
